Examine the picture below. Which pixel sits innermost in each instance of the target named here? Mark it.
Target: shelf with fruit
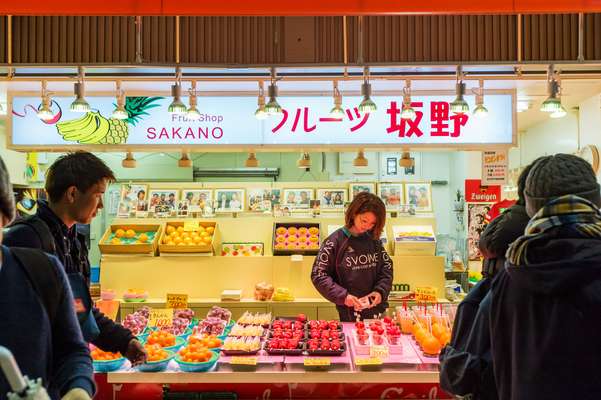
(179, 237)
(125, 239)
(296, 238)
(231, 249)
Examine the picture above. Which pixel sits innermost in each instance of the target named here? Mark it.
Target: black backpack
(40, 271)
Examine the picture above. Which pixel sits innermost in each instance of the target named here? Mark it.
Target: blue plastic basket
(186, 335)
(109, 365)
(197, 366)
(156, 366)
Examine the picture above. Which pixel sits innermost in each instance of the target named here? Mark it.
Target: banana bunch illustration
(93, 128)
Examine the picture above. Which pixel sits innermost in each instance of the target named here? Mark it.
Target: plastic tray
(285, 352)
(327, 353)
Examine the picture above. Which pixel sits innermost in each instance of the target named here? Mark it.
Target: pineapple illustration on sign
(94, 128)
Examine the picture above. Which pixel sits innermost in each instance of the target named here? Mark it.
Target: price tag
(243, 360)
(317, 361)
(378, 351)
(160, 317)
(191, 226)
(426, 294)
(177, 301)
(368, 361)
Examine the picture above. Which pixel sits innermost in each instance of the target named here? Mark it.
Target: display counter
(409, 372)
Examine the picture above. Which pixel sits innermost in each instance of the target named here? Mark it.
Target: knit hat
(7, 197)
(560, 175)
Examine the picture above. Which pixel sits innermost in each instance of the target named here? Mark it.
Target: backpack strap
(40, 271)
(41, 229)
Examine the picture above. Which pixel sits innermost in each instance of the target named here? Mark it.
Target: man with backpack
(45, 339)
(75, 184)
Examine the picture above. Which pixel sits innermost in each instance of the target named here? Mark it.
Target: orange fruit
(292, 230)
(210, 229)
(314, 238)
(130, 233)
(207, 240)
(119, 233)
(115, 241)
(170, 229)
(180, 229)
(430, 345)
(143, 238)
(444, 338)
(177, 240)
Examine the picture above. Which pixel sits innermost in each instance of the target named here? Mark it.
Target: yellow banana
(74, 124)
(82, 132)
(102, 129)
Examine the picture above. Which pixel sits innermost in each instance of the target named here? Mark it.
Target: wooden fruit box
(197, 248)
(106, 247)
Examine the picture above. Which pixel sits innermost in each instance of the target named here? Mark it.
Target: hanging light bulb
(177, 106)
(273, 107)
(192, 112)
(553, 103)
(480, 111)
(251, 161)
(360, 160)
(44, 111)
(367, 105)
(337, 111)
(79, 104)
(406, 161)
(560, 113)
(120, 112)
(260, 113)
(304, 161)
(408, 112)
(184, 161)
(459, 105)
(129, 161)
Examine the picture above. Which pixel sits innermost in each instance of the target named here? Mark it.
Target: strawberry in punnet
(301, 318)
(360, 325)
(335, 345)
(387, 320)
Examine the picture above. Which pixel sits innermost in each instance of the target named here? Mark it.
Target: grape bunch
(219, 312)
(136, 323)
(211, 326)
(185, 313)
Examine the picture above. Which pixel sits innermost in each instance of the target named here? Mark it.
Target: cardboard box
(106, 247)
(197, 248)
(414, 240)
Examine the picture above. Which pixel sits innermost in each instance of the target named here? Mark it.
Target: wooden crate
(166, 248)
(280, 252)
(138, 248)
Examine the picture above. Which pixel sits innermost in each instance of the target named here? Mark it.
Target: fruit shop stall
(261, 356)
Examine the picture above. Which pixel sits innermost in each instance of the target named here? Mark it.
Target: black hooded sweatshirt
(545, 321)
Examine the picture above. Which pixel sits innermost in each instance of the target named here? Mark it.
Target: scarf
(581, 215)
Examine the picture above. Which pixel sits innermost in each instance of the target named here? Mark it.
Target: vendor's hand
(375, 298)
(135, 353)
(76, 394)
(352, 301)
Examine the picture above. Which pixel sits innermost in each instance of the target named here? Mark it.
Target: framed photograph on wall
(135, 195)
(298, 198)
(357, 187)
(331, 198)
(419, 195)
(229, 200)
(391, 194)
(163, 198)
(197, 199)
(262, 199)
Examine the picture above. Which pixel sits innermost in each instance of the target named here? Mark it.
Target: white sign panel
(231, 121)
(494, 167)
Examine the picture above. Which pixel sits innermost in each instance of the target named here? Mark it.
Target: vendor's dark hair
(80, 169)
(7, 197)
(367, 202)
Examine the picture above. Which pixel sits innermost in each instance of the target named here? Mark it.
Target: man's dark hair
(80, 169)
(7, 197)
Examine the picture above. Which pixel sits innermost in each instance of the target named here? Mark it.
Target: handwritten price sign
(177, 301)
(317, 362)
(160, 317)
(380, 351)
(243, 361)
(426, 294)
(361, 361)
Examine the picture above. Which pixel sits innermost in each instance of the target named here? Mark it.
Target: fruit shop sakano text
(188, 133)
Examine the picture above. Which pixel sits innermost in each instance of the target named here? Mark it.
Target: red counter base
(136, 391)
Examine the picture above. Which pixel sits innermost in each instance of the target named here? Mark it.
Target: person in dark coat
(46, 345)
(468, 369)
(75, 184)
(545, 305)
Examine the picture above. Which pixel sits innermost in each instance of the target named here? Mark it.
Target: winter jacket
(51, 350)
(545, 318)
(356, 265)
(72, 252)
(498, 235)
(465, 364)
